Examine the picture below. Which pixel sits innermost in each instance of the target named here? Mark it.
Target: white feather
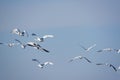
(48, 36)
(46, 63)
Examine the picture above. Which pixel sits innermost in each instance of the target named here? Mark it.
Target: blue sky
(72, 23)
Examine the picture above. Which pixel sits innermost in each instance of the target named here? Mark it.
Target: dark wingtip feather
(46, 50)
(33, 34)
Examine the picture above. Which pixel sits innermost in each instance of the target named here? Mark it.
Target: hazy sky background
(84, 22)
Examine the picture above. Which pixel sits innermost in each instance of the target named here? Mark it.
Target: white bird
(41, 65)
(36, 46)
(20, 33)
(16, 31)
(41, 39)
(106, 64)
(80, 57)
(106, 49)
(9, 44)
(22, 45)
(89, 48)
